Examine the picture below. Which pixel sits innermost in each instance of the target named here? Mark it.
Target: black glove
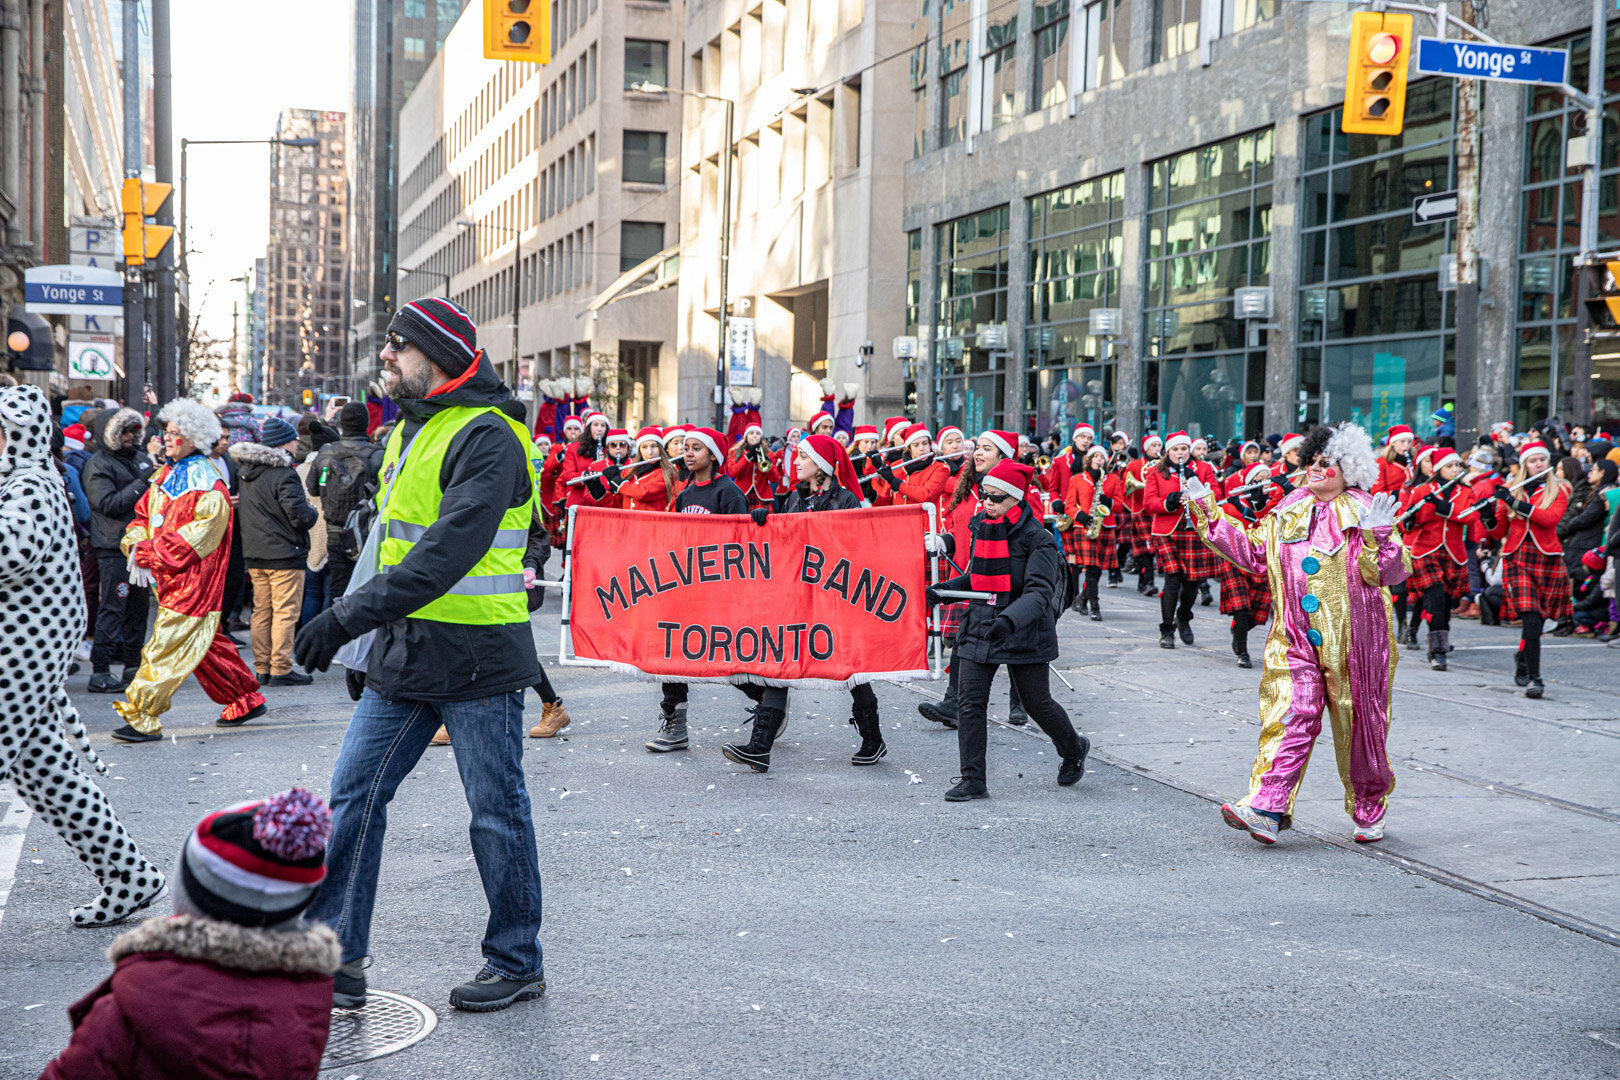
(759, 514)
(596, 488)
(1258, 500)
(613, 476)
(1059, 507)
(1248, 514)
(356, 681)
(1172, 501)
(886, 471)
(1487, 514)
(933, 597)
(1522, 507)
(1441, 506)
(867, 490)
(1000, 630)
(1501, 494)
(1082, 517)
(319, 641)
(917, 465)
(1108, 502)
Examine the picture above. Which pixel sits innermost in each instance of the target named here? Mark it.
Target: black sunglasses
(396, 342)
(993, 495)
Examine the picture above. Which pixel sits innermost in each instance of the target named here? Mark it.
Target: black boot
(1521, 670)
(1240, 638)
(1437, 649)
(1016, 716)
(1093, 578)
(872, 749)
(1145, 585)
(1204, 597)
(1167, 635)
(757, 754)
(943, 712)
(1411, 641)
(967, 788)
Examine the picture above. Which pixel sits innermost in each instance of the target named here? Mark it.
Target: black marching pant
(120, 615)
(1031, 681)
(1438, 605)
(1176, 601)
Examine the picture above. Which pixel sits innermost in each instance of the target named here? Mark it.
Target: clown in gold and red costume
(181, 536)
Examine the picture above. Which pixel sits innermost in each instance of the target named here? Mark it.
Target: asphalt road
(828, 920)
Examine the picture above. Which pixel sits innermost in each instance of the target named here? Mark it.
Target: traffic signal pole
(168, 378)
(1466, 403)
(134, 280)
(1580, 403)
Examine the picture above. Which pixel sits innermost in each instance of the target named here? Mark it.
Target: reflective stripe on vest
(492, 593)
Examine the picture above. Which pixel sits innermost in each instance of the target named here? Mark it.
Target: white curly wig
(1351, 449)
(196, 421)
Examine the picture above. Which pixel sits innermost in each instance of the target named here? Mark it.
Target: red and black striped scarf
(991, 568)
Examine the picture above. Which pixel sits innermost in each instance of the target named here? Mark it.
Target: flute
(626, 472)
(1441, 490)
(1511, 487)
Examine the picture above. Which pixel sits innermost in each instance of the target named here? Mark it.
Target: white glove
(1194, 488)
(934, 544)
(828, 388)
(139, 576)
(1380, 514)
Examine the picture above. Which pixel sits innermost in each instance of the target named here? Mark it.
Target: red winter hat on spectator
(717, 443)
(831, 458)
(1012, 477)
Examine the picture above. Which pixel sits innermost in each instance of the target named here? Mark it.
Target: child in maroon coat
(235, 984)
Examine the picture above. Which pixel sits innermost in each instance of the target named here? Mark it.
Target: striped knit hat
(443, 331)
(255, 863)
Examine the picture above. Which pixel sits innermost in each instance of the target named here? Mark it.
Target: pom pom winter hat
(255, 863)
(277, 432)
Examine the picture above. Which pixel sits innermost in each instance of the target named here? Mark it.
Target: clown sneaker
(1257, 825)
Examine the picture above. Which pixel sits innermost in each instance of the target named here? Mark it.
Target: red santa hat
(1178, 438)
(1501, 429)
(1082, 426)
(1427, 451)
(716, 442)
(1005, 441)
(914, 432)
(794, 433)
(891, 423)
(590, 415)
(1532, 448)
(1151, 437)
(649, 434)
(1120, 433)
(866, 431)
(1012, 477)
(1250, 442)
(618, 434)
(946, 430)
(817, 420)
(1256, 473)
(1445, 456)
(752, 428)
(831, 458)
(1292, 441)
(1396, 432)
(673, 432)
(574, 422)
(1093, 450)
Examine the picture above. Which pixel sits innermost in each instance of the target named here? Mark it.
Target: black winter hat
(353, 418)
(443, 331)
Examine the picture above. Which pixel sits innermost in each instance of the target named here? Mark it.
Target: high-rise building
(304, 324)
(251, 377)
(393, 43)
(817, 257)
(548, 193)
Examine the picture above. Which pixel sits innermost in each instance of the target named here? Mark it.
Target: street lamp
(517, 277)
(304, 142)
(424, 270)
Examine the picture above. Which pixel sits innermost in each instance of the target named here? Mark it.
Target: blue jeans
(384, 741)
(315, 598)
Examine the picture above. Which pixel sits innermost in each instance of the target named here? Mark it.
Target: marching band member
(785, 460)
(1409, 599)
(1436, 539)
(655, 489)
(1246, 596)
(956, 528)
(1395, 465)
(894, 431)
(918, 470)
(551, 499)
(750, 465)
(1012, 555)
(1331, 553)
(710, 491)
(581, 457)
(1535, 581)
(1182, 559)
(1067, 461)
(826, 482)
(866, 440)
(1287, 463)
(933, 482)
(1141, 521)
(1119, 458)
(1089, 542)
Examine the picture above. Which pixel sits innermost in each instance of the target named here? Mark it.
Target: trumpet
(1043, 463)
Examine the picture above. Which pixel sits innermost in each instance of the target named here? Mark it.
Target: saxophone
(1094, 529)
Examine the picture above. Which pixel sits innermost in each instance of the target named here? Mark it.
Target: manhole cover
(389, 1022)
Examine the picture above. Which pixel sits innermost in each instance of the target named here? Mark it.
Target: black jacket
(1037, 567)
(273, 516)
(485, 473)
(114, 479)
(1581, 530)
(834, 498)
(343, 475)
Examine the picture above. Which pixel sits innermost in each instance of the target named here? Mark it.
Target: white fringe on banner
(742, 679)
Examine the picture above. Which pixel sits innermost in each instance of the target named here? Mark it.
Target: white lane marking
(14, 819)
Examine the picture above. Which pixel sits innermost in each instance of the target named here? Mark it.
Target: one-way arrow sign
(1441, 206)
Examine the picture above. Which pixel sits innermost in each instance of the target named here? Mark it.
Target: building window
(1051, 74)
(646, 61)
(921, 36)
(1549, 241)
(1000, 69)
(1107, 43)
(953, 70)
(415, 48)
(416, 9)
(1375, 329)
(1241, 14)
(448, 11)
(644, 157)
(914, 310)
(970, 380)
(638, 242)
(1208, 233)
(1075, 245)
(1175, 28)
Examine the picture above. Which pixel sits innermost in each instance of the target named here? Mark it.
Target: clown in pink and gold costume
(1331, 552)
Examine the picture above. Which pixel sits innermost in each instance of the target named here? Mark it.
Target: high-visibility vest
(492, 593)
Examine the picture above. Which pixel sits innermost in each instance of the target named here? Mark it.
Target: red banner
(835, 596)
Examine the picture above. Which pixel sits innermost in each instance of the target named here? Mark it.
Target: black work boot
(872, 748)
(1016, 716)
(1072, 769)
(489, 992)
(672, 729)
(757, 754)
(943, 712)
(967, 788)
(1521, 670)
(349, 984)
(1205, 598)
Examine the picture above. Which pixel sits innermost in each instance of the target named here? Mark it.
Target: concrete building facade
(532, 189)
(307, 261)
(1156, 155)
(818, 257)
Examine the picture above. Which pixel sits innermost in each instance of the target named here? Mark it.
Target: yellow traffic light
(1603, 296)
(1375, 85)
(309, 397)
(518, 30)
(138, 200)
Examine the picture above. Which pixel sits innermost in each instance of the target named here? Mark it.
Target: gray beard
(414, 388)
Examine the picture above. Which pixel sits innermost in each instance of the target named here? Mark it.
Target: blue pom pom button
(1314, 637)
(1311, 564)
(1309, 603)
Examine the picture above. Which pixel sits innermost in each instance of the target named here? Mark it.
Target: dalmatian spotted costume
(42, 614)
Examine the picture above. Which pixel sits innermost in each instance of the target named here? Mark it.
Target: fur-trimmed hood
(108, 423)
(259, 454)
(312, 949)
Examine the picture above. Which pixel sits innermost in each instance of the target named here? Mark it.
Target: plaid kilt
(1244, 592)
(950, 619)
(1138, 529)
(1438, 569)
(1535, 581)
(1103, 551)
(1183, 553)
